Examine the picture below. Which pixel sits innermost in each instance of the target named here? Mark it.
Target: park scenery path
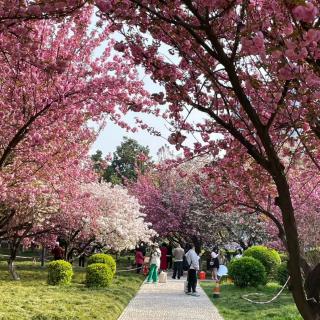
(167, 301)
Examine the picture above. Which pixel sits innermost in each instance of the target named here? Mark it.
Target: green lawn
(33, 299)
(232, 307)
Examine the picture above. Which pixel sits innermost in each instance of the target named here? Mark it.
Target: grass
(33, 299)
(232, 307)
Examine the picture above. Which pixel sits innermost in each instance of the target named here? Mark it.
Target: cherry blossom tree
(121, 224)
(164, 201)
(178, 204)
(251, 67)
(52, 84)
(37, 216)
(74, 222)
(245, 189)
(99, 214)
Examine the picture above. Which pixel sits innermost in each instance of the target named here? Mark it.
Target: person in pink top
(139, 259)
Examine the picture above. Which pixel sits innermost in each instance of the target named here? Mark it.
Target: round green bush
(270, 258)
(284, 257)
(282, 273)
(247, 271)
(99, 275)
(103, 258)
(59, 272)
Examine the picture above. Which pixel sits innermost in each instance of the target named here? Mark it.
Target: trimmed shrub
(247, 271)
(284, 257)
(282, 273)
(270, 258)
(99, 275)
(59, 272)
(103, 258)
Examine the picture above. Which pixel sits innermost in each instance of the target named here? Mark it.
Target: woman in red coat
(163, 258)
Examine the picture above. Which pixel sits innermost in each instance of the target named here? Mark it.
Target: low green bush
(282, 273)
(99, 275)
(284, 257)
(270, 258)
(247, 271)
(59, 272)
(103, 258)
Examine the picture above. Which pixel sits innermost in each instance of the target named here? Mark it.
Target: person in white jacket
(193, 262)
(154, 264)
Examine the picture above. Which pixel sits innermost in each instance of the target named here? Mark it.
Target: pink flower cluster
(306, 13)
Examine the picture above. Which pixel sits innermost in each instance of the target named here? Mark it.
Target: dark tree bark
(312, 287)
(43, 254)
(197, 243)
(14, 245)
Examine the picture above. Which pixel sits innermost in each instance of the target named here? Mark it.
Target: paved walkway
(167, 301)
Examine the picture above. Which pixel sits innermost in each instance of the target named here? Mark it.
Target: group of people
(183, 260)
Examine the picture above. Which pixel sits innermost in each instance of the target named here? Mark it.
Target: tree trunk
(197, 244)
(43, 254)
(312, 287)
(294, 263)
(69, 255)
(66, 251)
(13, 253)
(12, 270)
(117, 256)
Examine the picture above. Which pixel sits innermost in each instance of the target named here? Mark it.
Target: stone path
(167, 301)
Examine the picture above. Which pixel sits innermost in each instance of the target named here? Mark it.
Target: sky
(112, 135)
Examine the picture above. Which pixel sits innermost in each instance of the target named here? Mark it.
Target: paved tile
(167, 301)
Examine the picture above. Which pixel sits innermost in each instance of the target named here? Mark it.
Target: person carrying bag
(193, 261)
(154, 264)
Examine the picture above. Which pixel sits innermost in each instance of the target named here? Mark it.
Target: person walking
(193, 262)
(82, 259)
(83, 253)
(154, 264)
(178, 254)
(139, 259)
